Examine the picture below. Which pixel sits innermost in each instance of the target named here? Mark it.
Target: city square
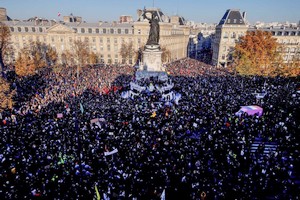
(150, 107)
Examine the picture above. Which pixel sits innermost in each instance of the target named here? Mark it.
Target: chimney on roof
(3, 14)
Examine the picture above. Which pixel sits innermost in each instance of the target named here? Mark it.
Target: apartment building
(233, 25)
(104, 38)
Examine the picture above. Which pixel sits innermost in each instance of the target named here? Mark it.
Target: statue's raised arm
(153, 38)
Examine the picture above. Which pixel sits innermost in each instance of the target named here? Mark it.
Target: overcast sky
(209, 11)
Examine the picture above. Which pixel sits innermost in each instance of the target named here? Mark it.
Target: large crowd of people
(69, 136)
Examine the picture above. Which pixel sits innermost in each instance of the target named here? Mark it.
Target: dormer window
(234, 21)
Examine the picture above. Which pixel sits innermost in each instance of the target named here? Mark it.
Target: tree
(4, 44)
(256, 53)
(67, 58)
(293, 67)
(80, 53)
(33, 57)
(93, 58)
(127, 52)
(6, 95)
(24, 65)
(51, 55)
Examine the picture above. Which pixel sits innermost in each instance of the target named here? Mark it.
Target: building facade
(103, 38)
(233, 25)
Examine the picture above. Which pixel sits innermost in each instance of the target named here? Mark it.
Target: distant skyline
(192, 10)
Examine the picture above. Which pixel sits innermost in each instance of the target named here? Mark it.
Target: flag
(81, 108)
(97, 193)
(58, 14)
(163, 195)
(111, 152)
(153, 114)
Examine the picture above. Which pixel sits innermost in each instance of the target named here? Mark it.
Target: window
(104, 31)
(94, 39)
(101, 40)
(116, 48)
(90, 30)
(225, 35)
(40, 29)
(33, 29)
(75, 29)
(108, 47)
(292, 50)
(112, 31)
(26, 29)
(119, 31)
(233, 35)
(82, 30)
(52, 39)
(86, 39)
(234, 21)
(97, 30)
(12, 29)
(286, 33)
(126, 31)
(19, 29)
(139, 31)
(61, 39)
(286, 50)
(108, 40)
(115, 40)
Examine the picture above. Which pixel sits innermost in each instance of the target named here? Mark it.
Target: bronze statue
(153, 38)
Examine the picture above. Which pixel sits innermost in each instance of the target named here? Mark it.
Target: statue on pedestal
(153, 38)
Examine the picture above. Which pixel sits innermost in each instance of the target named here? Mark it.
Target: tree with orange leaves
(4, 43)
(24, 64)
(6, 100)
(256, 53)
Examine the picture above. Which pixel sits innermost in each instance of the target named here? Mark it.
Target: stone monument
(151, 78)
(152, 54)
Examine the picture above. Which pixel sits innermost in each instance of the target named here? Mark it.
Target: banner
(97, 193)
(111, 152)
(94, 120)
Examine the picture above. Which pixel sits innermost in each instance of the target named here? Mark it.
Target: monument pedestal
(152, 59)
